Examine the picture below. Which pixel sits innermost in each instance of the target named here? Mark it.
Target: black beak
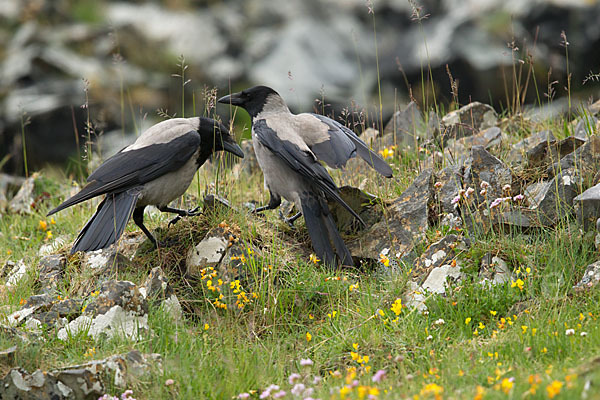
(234, 99)
(233, 148)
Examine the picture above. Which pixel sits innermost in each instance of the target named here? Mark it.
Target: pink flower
(169, 382)
(456, 200)
(496, 203)
(469, 192)
(484, 185)
(298, 389)
(306, 362)
(279, 394)
(379, 376)
(243, 396)
(518, 197)
(294, 378)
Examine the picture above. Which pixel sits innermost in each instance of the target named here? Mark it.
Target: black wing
(300, 161)
(132, 168)
(338, 149)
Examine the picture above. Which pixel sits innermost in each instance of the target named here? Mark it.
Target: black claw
(193, 212)
(174, 221)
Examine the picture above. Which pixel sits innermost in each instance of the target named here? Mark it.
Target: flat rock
(587, 207)
(209, 252)
(437, 280)
(586, 126)
(469, 120)
(585, 160)
(17, 272)
(519, 150)
(105, 262)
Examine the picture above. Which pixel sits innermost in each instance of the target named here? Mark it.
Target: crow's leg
(274, 202)
(290, 221)
(180, 213)
(138, 218)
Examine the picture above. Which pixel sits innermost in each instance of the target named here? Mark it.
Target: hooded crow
(289, 149)
(156, 169)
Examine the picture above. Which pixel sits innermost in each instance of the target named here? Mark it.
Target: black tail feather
(108, 223)
(323, 232)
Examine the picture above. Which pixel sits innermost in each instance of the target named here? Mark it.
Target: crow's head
(255, 100)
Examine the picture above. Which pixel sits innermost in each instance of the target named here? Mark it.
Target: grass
(505, 342)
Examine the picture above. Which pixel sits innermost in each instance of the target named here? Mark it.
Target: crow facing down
(156, 169)
(288, 148)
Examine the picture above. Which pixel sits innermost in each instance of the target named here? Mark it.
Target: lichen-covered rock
(585, 160)
(118, 293)
(51, 269)
(469, 120)
(21, 203)
(405, 128)
(494, 271)
(366, 205)
(405, 223)
(553, 199)
(209, 252)
(437, 254)
(17, 272)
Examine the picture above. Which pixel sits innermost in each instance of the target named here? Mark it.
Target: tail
(108, 223)
(323, 232)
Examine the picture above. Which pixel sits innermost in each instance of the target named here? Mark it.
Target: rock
(85, 381)
(436, 255)
(545, 152)
(468, 120)
(53, 246)
(587, 207)
(7, 357)
(448, 182)
(213, 202)
(415, 297)
(407, 221)
(105, 262)
(51, 269)
(517, 217)
(404, 128)
(209, 252)
(494, 271)
(487, 138)
(116, 322)
(484, 167)
(23, 200)
(585, 160)
(17, 272)
(156, 290)
(553, 199)
(43, 309)
(437, 280)
(590, 278)
(519, 151)
(366, 205)
(124, 294)
(587, 126)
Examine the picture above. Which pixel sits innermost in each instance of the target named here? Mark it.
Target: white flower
(429, 337)
(306, 362)
(293, 378)
(583, 334)
(298, 389)
(439, 322)
(570, 332)
(469, 192)
(506, 188)
(484, 185)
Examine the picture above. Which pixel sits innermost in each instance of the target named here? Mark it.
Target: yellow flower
(434, 389)
(354, 355)
(479, 392)
(524, 328)
(366, 359)
(397, 306)
(554, 388)
(461, 372)
(314, 259)
(384, 260)
(345, 391)
(206, 327)
(518, 283)
(332, 314)
(43, 225)
(467, 320)
(48, 234)
(353, 286)
(493, 313)
(506, 385)
(90, 352)
(308, 337)
(52, 221)
(481, 325)
(355, 346)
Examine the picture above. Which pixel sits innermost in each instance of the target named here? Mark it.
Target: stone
(84, 381)
(517, 217)
(450, 179)
(468, 120)
(51, 270)
(156, 285)
(437, 280)
(23, 200)
(405, 223)
(17, 272)
(415, 297)
(587, 207)
(212, 203)
(553, 199)
(105, 262)
(590, 278)
(586, 126)
(209, 252)
(437, 254)
(53, 247)
(487, 138)
(494, 271)
(7, 356)
(116, 322)
(123, 294)
(483, 166)
(585, 160)
(404, 128)
(45, 310)
(519, 150)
